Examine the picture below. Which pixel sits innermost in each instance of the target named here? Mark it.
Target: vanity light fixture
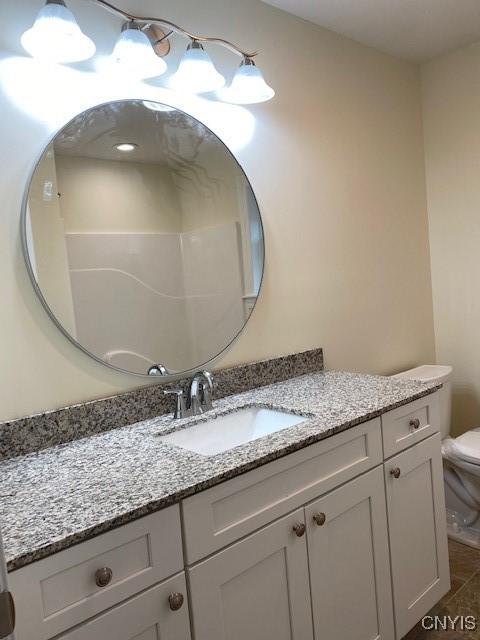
(126, 146)
(56, 36)
(196, 72)
(140, 49)
(134, 53)
(248, 85)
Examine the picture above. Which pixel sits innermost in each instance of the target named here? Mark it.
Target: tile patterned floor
(463, 599)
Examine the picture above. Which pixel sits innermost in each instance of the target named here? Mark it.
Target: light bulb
(196, 72)
(126, 146)
(133, 51)
(248, 85)
(56, 36)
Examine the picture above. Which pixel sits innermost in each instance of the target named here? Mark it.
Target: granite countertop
(60, 496)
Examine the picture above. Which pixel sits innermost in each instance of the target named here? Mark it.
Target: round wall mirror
(143, 238)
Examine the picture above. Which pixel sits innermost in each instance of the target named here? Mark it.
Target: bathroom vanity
(333, 528)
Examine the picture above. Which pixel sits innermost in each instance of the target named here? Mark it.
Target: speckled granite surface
(33, 433)
(55, 498)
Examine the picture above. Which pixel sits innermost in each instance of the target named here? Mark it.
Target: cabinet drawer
(56, 593)
(219, 516)
(409, 424)
(145, 617)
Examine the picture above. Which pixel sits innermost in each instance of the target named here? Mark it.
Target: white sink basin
(230, 430)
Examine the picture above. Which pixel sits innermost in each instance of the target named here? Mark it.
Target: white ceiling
(162, 137)
(416, 30)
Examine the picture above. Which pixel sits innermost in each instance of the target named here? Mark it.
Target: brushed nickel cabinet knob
(175, 601)
(319, 519)
(299, 529)
(415, 423)
(395, 472)
(103, 576)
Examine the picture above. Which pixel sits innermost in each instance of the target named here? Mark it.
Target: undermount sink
(227, 431)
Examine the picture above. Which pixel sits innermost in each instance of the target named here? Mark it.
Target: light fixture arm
(175, 28)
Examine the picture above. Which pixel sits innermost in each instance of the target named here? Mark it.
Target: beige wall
(107, 195)
(336, 161)
(451, 92)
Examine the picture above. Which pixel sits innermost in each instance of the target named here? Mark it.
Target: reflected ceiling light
(248, 85)
(56, 36)
(133, 51)
(140, 50)
(126, 146)
(196, 72)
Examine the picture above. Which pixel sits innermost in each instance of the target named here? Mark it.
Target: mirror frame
(38, 291)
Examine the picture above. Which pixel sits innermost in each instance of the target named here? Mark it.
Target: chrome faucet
(200, 392)
(197, 400)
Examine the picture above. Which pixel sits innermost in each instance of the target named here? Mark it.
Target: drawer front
(217, 517)
(145, 617)
(56, 593)
(410, 424)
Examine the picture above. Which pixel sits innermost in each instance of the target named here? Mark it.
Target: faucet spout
(200, 392)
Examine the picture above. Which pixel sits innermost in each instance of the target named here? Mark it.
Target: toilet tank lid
(427, 373)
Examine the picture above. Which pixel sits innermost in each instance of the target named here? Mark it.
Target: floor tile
(464, 561)
(466, 602)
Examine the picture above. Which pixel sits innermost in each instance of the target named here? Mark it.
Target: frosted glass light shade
(248, 85)
(196, 72)
(133, 51)
(56, 36)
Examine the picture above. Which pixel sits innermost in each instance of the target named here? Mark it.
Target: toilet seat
(465, 448)
(463, 467)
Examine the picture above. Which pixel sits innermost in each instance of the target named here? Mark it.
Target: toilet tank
(441, 374)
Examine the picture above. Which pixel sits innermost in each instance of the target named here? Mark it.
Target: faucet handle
(181, 405)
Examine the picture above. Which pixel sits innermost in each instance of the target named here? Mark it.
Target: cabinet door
(153, 615)
(257, 588)
(349, 562)
(417, 527)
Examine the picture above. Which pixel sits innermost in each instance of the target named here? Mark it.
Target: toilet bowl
(461, 461)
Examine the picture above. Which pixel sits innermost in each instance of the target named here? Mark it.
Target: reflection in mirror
(143, 238)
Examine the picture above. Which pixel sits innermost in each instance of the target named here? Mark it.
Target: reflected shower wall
(186, 292)
(213, 287)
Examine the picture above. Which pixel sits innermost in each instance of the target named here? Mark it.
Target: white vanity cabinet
(349, 563)
(417, 526)
(263, 587)
(341, 540)
(257, 588)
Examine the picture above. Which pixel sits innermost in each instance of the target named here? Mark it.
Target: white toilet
(461, 462)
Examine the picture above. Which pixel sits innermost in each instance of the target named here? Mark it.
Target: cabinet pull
(395, 472)
(319, 519)
(103, 576)
(175, 600)
(415, 423)
(299, 529)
